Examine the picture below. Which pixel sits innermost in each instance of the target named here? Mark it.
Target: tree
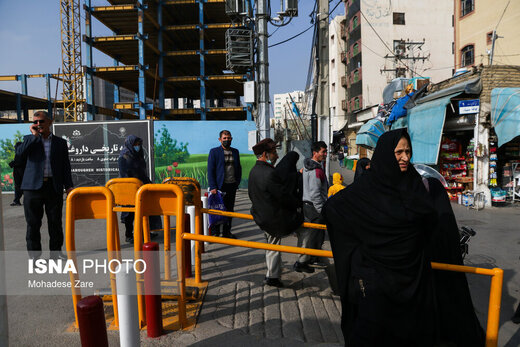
(167, 150)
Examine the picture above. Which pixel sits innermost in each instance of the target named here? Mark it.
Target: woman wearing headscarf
(289, 175)
(132, 164)
(362, 165)
(379, 230)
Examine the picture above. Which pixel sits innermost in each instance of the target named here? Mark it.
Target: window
(355, 49)
(453, 48)
(355, 22)
(466, 6)
(489, 38)
(356, 103)
(398, 18)
(333, 63)
(467, 56)
(333, 88)
(356, 76)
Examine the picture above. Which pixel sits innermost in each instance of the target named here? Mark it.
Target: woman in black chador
(289, 175)
(380, 231)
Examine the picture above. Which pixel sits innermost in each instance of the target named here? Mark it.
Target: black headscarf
(379, 229)
(361, 167)
(289, 175)
(132, 162)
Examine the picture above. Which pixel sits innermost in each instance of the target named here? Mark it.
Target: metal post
(91, 321)
(493, 47)
(48, 90)
(202, 58)
(19, 108)
(4, 331)
(263, 71)
(152, 289)
(89, 80)
(141, 80)
(23, 81)
(205, 218)
(161, 57)
(191, 212)
(116, 91)
(127, 307)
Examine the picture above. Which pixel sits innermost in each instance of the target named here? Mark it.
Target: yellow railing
(496, 274)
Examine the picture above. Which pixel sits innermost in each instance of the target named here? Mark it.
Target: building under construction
(173, 49)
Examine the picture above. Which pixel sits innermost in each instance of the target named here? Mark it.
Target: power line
(388, 48)
(304, 31)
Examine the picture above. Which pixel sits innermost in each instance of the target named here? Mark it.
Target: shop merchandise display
(456, 166)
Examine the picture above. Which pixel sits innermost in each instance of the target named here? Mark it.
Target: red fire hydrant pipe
(152, 289)
(91, 321)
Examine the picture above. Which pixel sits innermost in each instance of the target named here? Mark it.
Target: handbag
(216, 202)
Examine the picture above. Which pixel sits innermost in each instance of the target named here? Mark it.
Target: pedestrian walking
(338, 185)
(47, 173)
(341, 157)
(18, 166)
(275, 203)
(132, 164)
(225, 174)
(362, 165)
(379, 230)
(315, 188)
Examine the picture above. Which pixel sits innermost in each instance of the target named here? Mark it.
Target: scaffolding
(166, 49)
(70, 21)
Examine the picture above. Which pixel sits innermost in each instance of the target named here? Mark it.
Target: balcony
(343, 30)
(344, 81)
(344, 57)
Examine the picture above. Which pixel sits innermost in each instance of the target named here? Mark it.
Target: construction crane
(71, 60)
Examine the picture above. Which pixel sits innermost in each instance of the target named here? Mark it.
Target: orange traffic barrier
(167, 200)
(91, 203)
(192, 197)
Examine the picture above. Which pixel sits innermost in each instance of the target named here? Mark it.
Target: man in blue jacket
(224, 174)
(47, 172)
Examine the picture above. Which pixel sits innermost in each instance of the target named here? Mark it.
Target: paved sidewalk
(239, 310)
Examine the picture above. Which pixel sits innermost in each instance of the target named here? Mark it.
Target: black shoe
(130, 239)
(302, 267)
(57, 255)
(228, 235)
(273, 282)
(153, 235)
(14, 203)
(318, 264)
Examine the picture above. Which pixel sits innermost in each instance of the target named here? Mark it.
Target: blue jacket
(32, 149)
(216, 167)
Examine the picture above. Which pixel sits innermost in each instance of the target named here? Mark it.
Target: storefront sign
(469, 106)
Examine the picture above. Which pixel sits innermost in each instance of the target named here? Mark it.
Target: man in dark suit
(47, 172)
(224, 174)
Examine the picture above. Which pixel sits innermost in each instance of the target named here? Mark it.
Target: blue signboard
(469, 106)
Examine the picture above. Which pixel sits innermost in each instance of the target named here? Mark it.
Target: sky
(30, 43)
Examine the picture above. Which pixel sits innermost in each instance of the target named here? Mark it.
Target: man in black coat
(47, 172)
(18, 166)
(272, 206)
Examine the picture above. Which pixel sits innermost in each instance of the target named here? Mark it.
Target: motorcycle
(465, 234)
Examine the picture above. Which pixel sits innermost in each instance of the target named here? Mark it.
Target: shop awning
(505, 113)
(425, 124)
(369, 133)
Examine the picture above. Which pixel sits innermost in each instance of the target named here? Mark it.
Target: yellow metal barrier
(92, 203)
(167, 200)
(192, 197)
(496, 274)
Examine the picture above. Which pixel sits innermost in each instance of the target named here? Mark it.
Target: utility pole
(263, 71)
(323, 80)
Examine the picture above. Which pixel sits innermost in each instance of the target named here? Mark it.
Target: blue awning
(369, 133)
(505, 113)
(425, 124)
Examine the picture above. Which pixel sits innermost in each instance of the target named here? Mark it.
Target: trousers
(229, 202)
(35, 202)
(273, 259)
